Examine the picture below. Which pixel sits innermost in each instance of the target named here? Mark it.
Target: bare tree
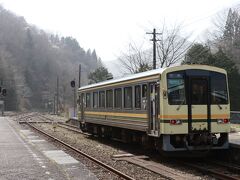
(135, 59)
(171, 47)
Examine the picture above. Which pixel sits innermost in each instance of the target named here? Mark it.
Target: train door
(199, 104)
(153, 110)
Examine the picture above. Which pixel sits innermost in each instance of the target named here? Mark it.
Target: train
(174, 109)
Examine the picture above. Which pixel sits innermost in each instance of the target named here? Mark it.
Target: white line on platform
(37, 140)
(60, 157)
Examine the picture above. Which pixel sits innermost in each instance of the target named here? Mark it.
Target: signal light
(72, 84)
(4, 92)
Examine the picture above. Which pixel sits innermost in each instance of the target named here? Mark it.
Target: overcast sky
(109, 25)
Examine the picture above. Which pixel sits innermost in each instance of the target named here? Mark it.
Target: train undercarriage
(165, 143)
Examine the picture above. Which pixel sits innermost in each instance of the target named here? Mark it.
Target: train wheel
(147, 142)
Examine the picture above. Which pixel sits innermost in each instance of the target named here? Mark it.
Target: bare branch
(172, 47)
(136, 60)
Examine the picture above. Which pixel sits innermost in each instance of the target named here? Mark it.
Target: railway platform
(25, 155)
(234, 140)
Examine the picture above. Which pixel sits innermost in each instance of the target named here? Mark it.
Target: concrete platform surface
(234, 139)
(25, 155)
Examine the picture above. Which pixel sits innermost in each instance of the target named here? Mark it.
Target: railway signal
(73, 83)
(4, 92)
(74, 96)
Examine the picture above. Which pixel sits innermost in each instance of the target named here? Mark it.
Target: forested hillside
(31, 60)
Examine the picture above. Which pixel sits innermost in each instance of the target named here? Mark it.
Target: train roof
(126, 78)
(151, 73)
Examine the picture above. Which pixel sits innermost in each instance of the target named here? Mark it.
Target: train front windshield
(196, 86)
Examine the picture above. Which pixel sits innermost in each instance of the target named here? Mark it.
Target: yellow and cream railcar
(178, 108)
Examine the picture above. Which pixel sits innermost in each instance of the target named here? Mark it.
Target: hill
(31, 60)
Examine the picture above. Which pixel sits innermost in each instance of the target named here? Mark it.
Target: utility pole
(79, 76)
(74, 101)
(57, 94)
(54, 103)
(154, 40)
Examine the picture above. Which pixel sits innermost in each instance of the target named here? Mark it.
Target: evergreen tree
(100, 74)
(230, 41)
(197, 54)
(229, 27)
(143, 67)
(200, 54)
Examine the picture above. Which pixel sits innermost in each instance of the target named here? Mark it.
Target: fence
(235, 117)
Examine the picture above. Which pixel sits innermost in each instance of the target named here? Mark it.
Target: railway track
(71, 128)
(62, 124)
(104, 165)
(166, 174)
(230, 166)
(159, 168)
(216, 169)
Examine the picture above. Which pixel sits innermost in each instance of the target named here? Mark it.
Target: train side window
(109, 94)
(144, 90)
(128, 97)
(95, 99)
(118, 98)
(144, 96)
(88, 100)
(138, 97)
(83, 99)
(102, 99)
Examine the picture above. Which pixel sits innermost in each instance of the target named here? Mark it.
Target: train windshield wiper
(219, 95)
(179, 106)
(220, 107)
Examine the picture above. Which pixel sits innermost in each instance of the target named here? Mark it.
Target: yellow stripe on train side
(195, 116)
(181, 116)
(116, 114)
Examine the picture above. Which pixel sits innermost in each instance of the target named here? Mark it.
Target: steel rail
(71, 128)
(42, 116)
(231, 167)
(218, 174)
(115, 171)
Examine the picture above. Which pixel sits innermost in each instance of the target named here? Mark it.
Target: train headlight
(220, 121)
(175, 122)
